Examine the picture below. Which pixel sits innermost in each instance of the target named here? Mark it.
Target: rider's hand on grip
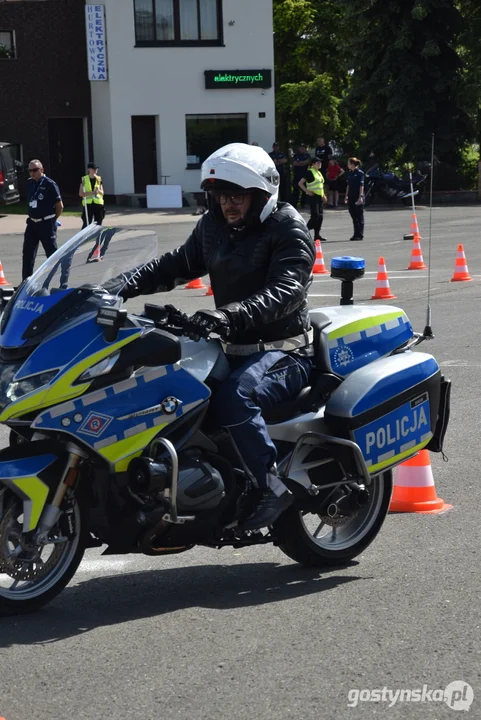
(205, 322)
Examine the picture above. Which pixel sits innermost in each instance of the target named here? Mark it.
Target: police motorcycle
(389, 186)
(112, 443)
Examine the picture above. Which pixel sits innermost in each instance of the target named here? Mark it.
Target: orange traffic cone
(3, 279)
(319, 265)
(195, 285)
(382, 291)
(414, 489)
(417, 262)
(461, 272)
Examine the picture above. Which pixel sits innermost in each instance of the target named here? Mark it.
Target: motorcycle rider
(259, 255)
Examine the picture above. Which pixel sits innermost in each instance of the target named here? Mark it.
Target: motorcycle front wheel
(319, 541)
(32, 575)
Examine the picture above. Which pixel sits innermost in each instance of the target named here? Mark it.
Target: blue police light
(348, 262)
(347, 269)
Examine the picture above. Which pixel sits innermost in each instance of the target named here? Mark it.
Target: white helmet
(240, 166)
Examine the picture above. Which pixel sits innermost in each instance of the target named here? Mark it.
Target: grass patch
(21, 208)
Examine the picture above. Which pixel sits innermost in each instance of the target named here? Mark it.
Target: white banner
(96, 42)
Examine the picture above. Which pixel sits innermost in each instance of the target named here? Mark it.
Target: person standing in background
(324, 152)
(355, 197)
(334, 172)
(44, 207)
(280, 162)
(313, 185)
(300, 162)
(92, 193)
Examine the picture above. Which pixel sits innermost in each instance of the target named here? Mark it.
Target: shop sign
(223, 79)
(96, 42)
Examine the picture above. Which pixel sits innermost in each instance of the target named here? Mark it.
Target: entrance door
(67, 159)
(144, 147)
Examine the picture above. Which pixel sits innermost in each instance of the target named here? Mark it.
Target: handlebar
(167, 317)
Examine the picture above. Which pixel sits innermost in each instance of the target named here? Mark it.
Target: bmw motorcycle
(112, 443)
(388, 186)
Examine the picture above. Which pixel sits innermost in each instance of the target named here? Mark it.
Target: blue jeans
(255, 385)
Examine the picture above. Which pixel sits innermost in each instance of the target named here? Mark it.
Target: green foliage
(408, 79)
(382, 76)
(311, 69)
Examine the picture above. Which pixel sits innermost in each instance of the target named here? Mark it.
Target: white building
(183, 78)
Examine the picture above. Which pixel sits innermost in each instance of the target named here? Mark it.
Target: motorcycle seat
(320, 321)
(310, 398)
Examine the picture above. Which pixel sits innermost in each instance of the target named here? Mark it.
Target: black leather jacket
(259, 275)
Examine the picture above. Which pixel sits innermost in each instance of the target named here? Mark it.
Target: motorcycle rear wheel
(31, 577)
(341, 542)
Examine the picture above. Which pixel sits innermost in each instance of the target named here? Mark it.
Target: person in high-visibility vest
(313, 185)
(92, 193)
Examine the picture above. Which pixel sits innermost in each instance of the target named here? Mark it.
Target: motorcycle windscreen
(80, 268)
(389, 408)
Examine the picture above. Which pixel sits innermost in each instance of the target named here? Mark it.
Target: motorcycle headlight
(18, 389)
(101, 368)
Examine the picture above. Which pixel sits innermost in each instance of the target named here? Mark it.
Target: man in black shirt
(324, 152)
(44, 207)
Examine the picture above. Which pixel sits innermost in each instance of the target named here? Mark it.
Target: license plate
(11, 187)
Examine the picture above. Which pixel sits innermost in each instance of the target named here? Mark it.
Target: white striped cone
(382, 291)
(461, 272)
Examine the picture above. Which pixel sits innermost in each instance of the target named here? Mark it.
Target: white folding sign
(96, 42)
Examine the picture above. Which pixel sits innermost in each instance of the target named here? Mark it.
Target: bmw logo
(170, 405)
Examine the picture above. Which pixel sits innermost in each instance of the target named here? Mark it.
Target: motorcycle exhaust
(351, 502)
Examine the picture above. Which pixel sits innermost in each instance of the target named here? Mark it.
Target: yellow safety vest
(99, 200)
(317, 186)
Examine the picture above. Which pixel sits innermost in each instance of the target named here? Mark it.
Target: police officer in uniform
(313, 185)
(92, 193)
(354, 197)
(280, 161)
(44, 207)
(300, 161)
(324, 152)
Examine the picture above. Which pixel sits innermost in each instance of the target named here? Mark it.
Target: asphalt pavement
(247, 633)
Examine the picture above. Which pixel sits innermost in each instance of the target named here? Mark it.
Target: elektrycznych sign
(96, 42)
(222, 79)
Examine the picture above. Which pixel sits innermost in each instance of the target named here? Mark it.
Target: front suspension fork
(51, 511)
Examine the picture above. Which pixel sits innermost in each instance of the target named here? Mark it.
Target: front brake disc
(26, 564)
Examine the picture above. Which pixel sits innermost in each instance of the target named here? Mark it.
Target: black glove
(205, 322)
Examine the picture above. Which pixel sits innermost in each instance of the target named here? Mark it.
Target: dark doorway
(67, 158)
(144, 147)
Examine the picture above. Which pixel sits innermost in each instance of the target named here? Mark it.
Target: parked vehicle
(9, 192)
(111, 441)
(388, 186)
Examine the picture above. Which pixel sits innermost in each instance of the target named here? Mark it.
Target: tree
(311, 69)
(408, 80)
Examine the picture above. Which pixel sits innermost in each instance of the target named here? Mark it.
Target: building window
(7, 45)
(178, 22)
(207, 133)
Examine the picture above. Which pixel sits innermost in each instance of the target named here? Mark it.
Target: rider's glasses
(236, 199)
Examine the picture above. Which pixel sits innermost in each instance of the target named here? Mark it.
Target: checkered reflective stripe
(125, 409)
(353, 351)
